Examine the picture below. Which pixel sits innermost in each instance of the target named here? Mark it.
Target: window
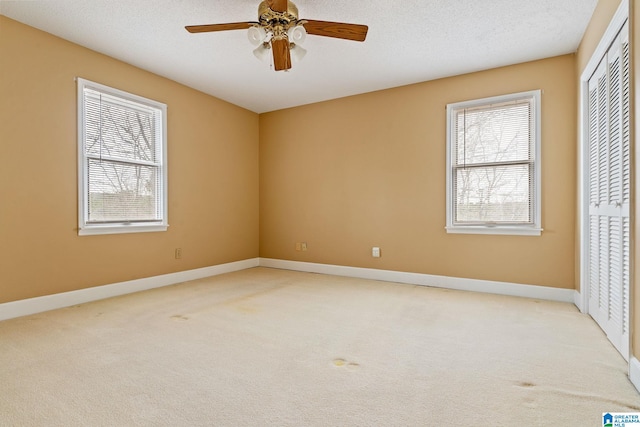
(493, 165)
(122, 168)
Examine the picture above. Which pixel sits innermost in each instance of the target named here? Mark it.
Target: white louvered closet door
(609, 194)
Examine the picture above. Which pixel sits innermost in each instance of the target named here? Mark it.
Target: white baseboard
(29, 306)
(501, 288)
(634, 372)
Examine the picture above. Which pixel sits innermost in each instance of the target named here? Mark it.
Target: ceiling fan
(278, 29)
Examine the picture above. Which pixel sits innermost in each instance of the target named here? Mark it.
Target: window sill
(499, 230)
(120, 229)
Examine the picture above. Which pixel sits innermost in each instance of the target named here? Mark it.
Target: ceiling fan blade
(278, 5)
(219, 27)
(337, 30)
(281, 54)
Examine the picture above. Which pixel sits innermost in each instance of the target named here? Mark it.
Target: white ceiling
(409, 41)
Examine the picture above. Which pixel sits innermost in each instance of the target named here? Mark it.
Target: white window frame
(87, 228)
(534, 229)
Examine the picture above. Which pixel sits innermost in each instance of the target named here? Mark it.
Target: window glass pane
(497, 194)
(122, 192)
(493, 134)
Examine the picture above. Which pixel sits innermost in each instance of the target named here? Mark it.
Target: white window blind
(122, 161)
(493, 165)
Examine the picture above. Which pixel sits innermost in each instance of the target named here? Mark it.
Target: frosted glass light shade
(297, 34)
(297, 52)
(256, 35)
(262, 52)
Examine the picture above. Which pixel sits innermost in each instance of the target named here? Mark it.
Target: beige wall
(369, 170)
(213, 173)
(343, 175)
(349, 174)
(605, 9)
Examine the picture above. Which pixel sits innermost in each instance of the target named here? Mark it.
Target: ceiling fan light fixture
(297, 52)
(262, 52)
(278, 33)
(297, 34)
(256, 35)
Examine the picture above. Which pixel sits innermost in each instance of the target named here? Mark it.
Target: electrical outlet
(303, 245)
(375, 252)
(178, 253)
(298, 246)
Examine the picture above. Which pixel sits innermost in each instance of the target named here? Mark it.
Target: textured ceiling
(409, 41)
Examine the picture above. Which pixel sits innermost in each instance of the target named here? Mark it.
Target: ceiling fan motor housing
(278, 22)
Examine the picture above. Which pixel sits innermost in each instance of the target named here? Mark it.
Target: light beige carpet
(266, 347)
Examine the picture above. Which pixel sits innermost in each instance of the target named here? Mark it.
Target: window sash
(137, 199)
(504, 208)
(119, 128)
(494, 133)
